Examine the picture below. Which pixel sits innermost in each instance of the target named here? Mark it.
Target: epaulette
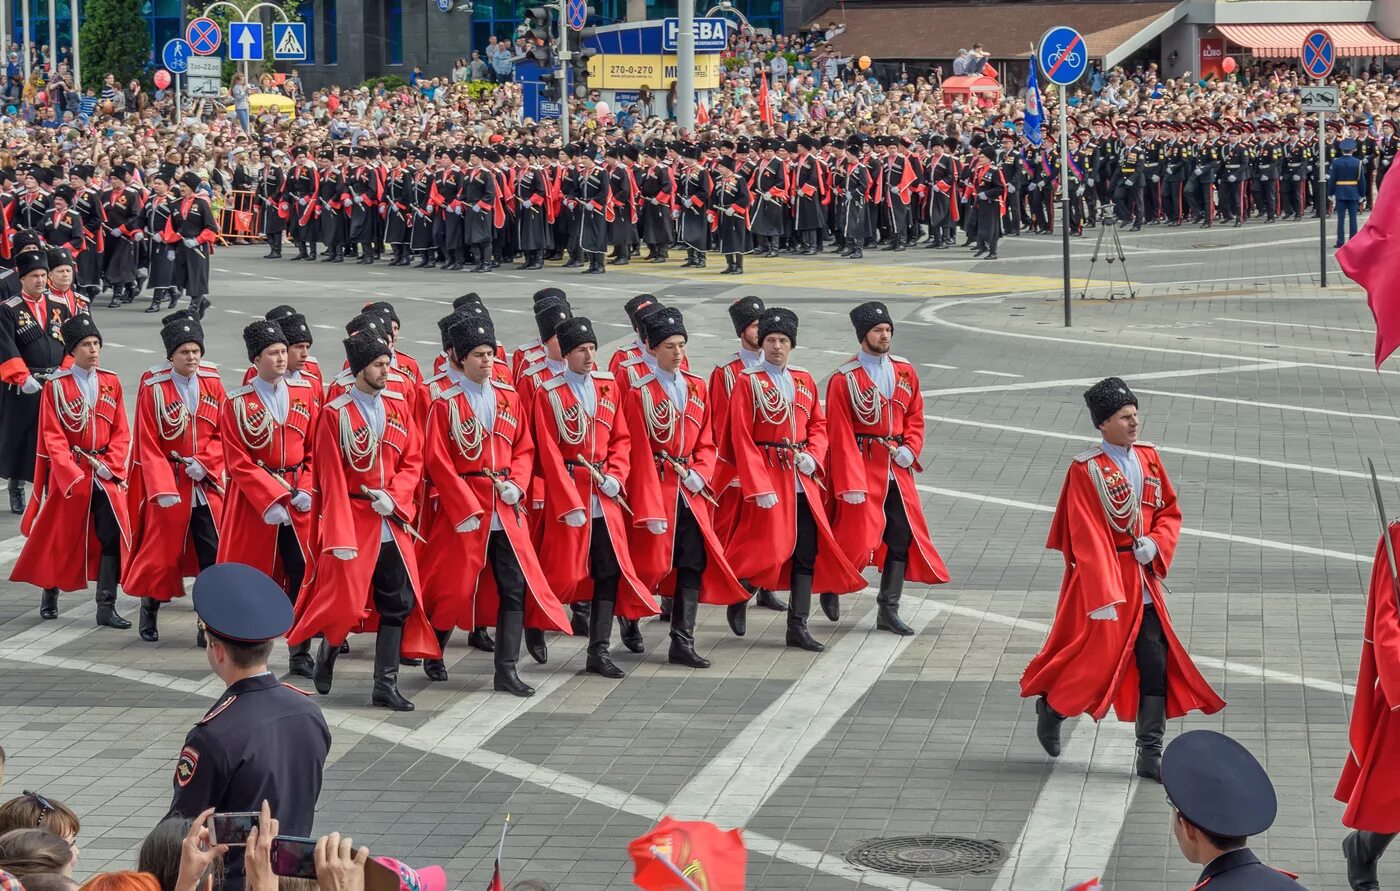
(218, 710)
(209, 365)
(344, 377)
(340, 401)
(688, 373)
(894, 358)
(1088, 454)
(202, 371)
(602, 375)
(242, 391)
(435, 378)
(532, 370)
(643, 381)
(390, 394)
(14, 301)
(295, 382)
(448, 393)
(793, 369)
(157, 378)
(529, 345)
(1145, 444)
(396, 377)
(554, 383)
(632, 361)
(62, 372)
(502, 385)
(754, 370)
(732, 357)
(849, 367)
(158, 368)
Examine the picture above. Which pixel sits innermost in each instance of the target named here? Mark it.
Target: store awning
(1286, 41)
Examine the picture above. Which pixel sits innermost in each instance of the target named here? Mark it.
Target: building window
(393, 32)
(328, 31)
(306, 11)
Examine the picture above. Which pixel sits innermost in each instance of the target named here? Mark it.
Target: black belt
(572, 465)
(292, 469)
(668, 458)
(489, 474)
(880, 437)
(1125, 549)
(786, 444)
(80, 449)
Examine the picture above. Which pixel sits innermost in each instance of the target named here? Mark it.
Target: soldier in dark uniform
(732, 203)
(362, 184)
(262, 740)
(398, 204)
(87, 201)
(566, 231)
(63, 227)
(1386, 150)
(1128, 182)
(622, 228)
(942, 172)
(1268, 167)
(594, 198)
(479, 201)
(533, 216)
(330, 190)
(422, 210)
(301, 188)
(271, 187)
(1346, 184)
(1296, 167)
(1236, 166)
(1174, 164)
(157, 213)
(769, 187)
(191, 229)
(988, 188)
(1014, 176)
(854, 183)
(1220, 796)
(121, 208)
(693, 189)
(31, 348)
(809, 196)
(33, 203)
(658, 191)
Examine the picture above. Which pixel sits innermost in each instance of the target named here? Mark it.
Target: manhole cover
(928, 855)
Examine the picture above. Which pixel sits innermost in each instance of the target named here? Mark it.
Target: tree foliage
(115, 39)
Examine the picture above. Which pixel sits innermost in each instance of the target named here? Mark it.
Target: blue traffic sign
(176, 56)
(245, 41)
(1062, 55)
(576, 14)
(203, 36)
(1319, 54)
(711, 34)
(289, 41)
(444, 5)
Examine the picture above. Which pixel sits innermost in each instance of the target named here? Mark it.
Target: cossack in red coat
(760, 419)
(463, 460)
(310, 372)
(62, 550)
(337, 597)
(564, 432)
(1087, 665)
(862, 428)
(263, 458)
(1370, 781)
(163, 552)
(658, 429)
(726, 477)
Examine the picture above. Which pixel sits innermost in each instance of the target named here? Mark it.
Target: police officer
(1346, 182)
(1220, 795)
(262, 741)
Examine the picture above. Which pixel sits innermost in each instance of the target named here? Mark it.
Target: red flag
(1372, 260)
(702, 115)
(765, 111)
(1091, 885)
(709, 858)
(988, 70)
(496, 883)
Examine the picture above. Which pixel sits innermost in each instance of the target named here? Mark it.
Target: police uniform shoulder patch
(340, 401)
(390, 394)
(849, 367)
(157, 378)
(603, 375)
(554, 383)
(1088, 454)
(242, 391)
(218, 709)
(186, 765)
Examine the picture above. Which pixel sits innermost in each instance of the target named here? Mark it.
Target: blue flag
(1035, 110)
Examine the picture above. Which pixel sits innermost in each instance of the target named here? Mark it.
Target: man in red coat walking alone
(1112, 643)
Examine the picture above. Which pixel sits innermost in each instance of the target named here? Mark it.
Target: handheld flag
(1372, 260)
(1091, 885)
(688, 856)
(1035, 109)
(765, 111)
(496, 883)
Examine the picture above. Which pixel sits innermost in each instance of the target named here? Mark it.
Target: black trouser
(1150, 653)
(293, 563)
(510, 578)
(205, 535)
(393, 596)
(688, 550)
(804, 550)
(898, 536)
(104, 523)
(602, 559)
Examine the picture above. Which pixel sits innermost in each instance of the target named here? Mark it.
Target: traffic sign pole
(1063, 58)
(1064, 193)
(1318, 55)
(564, 58)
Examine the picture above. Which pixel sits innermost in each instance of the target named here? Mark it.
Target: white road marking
(936, 365)
(140, 350)
(1294, 325)
(1256, 343)
(237, 312)
(996, 373)
(1306, 409)
(325, 327)
(430, 343)
(1088, 381)
(507, 309)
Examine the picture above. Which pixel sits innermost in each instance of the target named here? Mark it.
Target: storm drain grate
(928, 855)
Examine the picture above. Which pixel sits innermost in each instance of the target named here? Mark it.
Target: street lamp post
(246, 17)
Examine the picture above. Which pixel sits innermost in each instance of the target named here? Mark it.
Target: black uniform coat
(1240, 870)
(770, 190)
(594, 197)
(28, 345)
(693, 190)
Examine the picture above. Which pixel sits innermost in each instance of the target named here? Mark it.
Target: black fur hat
(75, 329)
(470, 333)
(777, 320)
(258, 336)
(631, 307)
(868, 315)
(295, 328)
(1106, 397)
(371, 323)
(548, 315)
(179, 332)
(470, 298)
(745, 311)
(382, 308)
(573, 333)
(362, 349)
(662, 324)
(544, 294)
(279, 311)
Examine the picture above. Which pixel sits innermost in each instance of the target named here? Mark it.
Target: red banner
(1212, 54)
(243, 222)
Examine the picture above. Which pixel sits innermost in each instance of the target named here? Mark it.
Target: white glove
(1030, 187)
(138, 236)
(1264, 178)
(1297, 179)
(575, 518)
(904, 456)
(1107, 614)
(1197, 171)
(1011, 190)
(1231, 177)
(1079, 192)
(805, 463)
(381, 502)
(982, 195)
(511, 494)
(190, 243)
(101, 470)
(167, 500)
(343, 553)
(853, 497)
(767, 501)
(1156, 178)
(194, 470)
(457, 211)
(1145, 550)
(359, 199)
(470, 524)
(30, 386)
(301, 501)
(610, 486)
(656, 527)
(277, 515)
(693, 482)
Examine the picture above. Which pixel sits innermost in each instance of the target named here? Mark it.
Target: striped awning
(1286, 41)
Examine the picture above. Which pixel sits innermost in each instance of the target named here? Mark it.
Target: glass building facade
(501, 17)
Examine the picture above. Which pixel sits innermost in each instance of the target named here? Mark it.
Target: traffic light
(579, 61)
(539, 29)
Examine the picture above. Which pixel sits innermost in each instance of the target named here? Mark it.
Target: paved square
(1256, 383)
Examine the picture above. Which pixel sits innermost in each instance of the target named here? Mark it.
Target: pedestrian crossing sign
(289, 41)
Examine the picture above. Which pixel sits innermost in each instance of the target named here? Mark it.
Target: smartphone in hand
(294, 857)
(231, 829)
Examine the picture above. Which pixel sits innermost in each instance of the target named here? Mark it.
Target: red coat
(628, 353)
(656, 490)
(459, 588)
(58, 518)
(865, 465)
(605, 445)
(311, 372)
(726, 477)
(263, 457)
(405, 385)
(528, 383)
(1370, 783)
(337, 597)
(531, 352)
(760, 536)
(163, 553)
(1087, 665)
(440, 365)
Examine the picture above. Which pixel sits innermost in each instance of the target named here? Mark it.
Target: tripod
(1108, 222)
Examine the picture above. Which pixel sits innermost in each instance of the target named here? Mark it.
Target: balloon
(162, 79)
(864, 62)
(1228, 66)
(42, 98)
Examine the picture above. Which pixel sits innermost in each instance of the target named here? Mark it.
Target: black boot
(1363, 851)
(386, 666)
(156, 299)
(1151, 727)
(831, 606)
(630, 633)
(107, 572)
(891, 587)
(1047, 727)
(16, 496)
(799, 607)
(578, 617)
(683, 611)
(665, 614)
(299, 661)
(768, 600)
(600, 620)
(426, 261)
(738, 616)
(146, 628)
(436, 669)
(325, 666)
(535, 645)
(480, 639)
(509, 625)
(48, 603)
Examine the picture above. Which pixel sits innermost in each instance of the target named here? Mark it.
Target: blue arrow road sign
(245, 41)
(176, 56)
(1319, 54)
(289, 41)
(203, 36)
(1062, 55)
